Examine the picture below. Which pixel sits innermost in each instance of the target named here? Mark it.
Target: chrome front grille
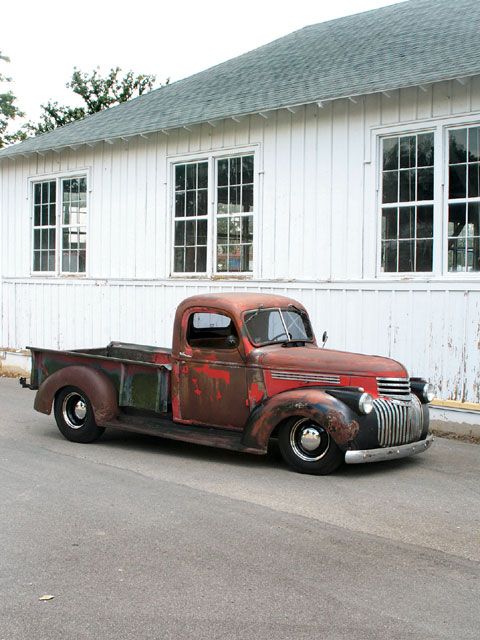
(398, 422)
(394, 387)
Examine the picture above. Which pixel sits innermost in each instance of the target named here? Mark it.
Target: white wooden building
(339, 165)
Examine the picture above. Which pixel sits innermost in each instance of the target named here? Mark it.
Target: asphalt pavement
(143, 538)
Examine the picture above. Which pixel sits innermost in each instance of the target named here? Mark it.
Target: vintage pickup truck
(244, 368)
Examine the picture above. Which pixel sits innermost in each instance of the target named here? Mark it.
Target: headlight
(428, 392)
(365, 403)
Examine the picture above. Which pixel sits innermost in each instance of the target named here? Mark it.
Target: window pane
(407, 186)
(201, 259)
(45, 191)
(179, 260)
(36, 239)
(474, 144)
(37, 195)
(473, 254)
(473, 180)
(390, 153)
(407, 222)
(424, 258)
(222, 230)
(389, 224)
(222, 253)
(222, 168)
(234, 257)
(190, 259)
(191, 176)
(458, 146)
(457, 181)
(234, 231)
(202, 232)
(389, 255)
(247, 229)
(247, 169)
(234, 200)
(235, 164)
(191, 203)
(180, 234)
(425, 184)
(407, 152)
(45, 215)
(180, 177)
(202, 202)
(425, 222)
(474, 219)
(247, 258)
(202, 175)
(180, 204)
(406, 255)
(36, 260)
(390, 186)
(247, 198)
(425, 150)
(457, 220)
(36, 214)
(456, 255)
(222, 205)
(190, 233)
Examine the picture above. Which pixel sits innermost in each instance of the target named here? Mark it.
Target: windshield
(269, 326)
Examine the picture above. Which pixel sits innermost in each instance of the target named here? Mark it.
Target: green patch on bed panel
(144, 388)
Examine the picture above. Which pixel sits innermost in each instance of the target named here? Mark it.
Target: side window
(211, 331)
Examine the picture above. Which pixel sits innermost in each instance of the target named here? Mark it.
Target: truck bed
(139, 373)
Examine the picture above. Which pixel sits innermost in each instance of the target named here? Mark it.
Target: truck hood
(315, 360)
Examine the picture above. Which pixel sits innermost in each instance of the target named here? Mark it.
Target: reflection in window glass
(44, 225)
(464, 199)
(407, 203)
(266, 326)
(234, 252)
(74, 220)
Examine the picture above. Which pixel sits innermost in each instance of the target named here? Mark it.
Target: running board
(164, 428)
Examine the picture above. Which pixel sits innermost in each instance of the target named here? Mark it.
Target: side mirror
(324, 339)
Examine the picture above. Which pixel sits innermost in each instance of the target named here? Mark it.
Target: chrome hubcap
(74, 410)
(308, 440)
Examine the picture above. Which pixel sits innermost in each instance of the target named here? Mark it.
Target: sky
(46, 39)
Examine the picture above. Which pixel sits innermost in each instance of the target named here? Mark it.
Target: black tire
(308, 448)
(74, 416)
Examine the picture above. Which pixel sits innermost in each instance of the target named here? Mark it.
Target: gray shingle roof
(407, 44)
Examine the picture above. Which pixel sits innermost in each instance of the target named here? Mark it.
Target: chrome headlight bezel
(365, 403)
(428, 392)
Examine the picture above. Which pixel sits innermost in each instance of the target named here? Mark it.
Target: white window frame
(58, 177)
(211, 157)
(440, 128)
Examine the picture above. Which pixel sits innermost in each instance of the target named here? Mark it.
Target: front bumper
(388, 453)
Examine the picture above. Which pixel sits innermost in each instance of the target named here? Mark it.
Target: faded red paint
(212, 372)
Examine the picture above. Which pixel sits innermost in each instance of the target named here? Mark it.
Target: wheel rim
(308, 440)
(74, 410)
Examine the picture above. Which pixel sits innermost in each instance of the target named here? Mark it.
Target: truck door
(212, 374)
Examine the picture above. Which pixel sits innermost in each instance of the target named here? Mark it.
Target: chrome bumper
(388, 453)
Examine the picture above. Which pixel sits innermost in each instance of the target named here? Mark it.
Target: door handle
(184, 355)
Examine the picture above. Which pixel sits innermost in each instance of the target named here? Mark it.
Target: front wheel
(308, 447)
(74, 416)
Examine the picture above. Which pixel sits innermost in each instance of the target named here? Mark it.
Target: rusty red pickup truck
(244, 368)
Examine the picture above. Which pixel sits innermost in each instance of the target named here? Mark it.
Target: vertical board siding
(316, 226)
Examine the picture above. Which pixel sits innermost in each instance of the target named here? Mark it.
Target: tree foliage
(8, 112)
(97, 92)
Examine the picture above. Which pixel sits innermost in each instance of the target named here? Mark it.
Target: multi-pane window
(44, 225)
(191, 217)
(464, 199)
(407, 203)
(59, 225)
(235, 214)
(213, 217)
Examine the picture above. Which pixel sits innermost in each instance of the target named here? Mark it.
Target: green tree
(97, 92)
(8, 112)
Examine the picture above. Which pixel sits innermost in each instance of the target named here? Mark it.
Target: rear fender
(95, 384)
(329, 412)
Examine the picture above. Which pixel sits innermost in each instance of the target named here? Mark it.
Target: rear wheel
(308, 447)
(74, 416)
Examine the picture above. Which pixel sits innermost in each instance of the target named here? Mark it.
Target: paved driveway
(142, 538)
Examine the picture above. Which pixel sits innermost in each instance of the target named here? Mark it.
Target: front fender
(329, 412)
(93, 383)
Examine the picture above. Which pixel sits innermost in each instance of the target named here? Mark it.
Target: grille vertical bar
(398, 422)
